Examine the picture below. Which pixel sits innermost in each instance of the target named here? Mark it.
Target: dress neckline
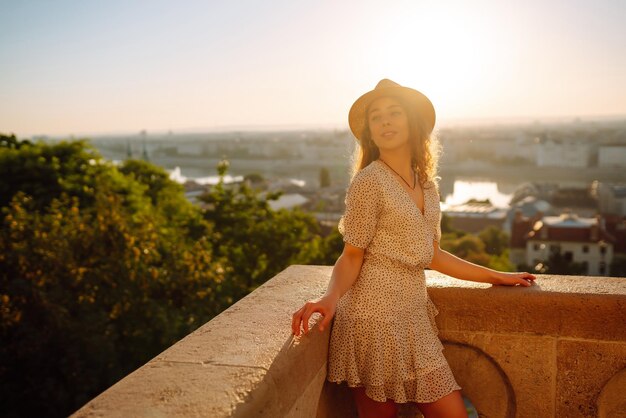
(406, 193)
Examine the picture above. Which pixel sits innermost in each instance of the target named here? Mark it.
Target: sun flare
(445, 52)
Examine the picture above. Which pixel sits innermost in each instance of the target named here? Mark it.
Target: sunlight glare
(464, 190)
(441, 50)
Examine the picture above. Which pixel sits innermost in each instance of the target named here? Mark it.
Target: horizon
(452, 124)
(90, 69)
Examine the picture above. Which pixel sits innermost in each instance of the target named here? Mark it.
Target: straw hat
(358, 117)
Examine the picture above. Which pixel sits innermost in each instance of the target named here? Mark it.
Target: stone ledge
(245, 362)
(572, 306)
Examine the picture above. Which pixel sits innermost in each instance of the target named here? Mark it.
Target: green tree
(98, 278)
(258, 242)
(447, 229)
(11, 141)
(495, 239)
(102, 267)
(333, 247)
(467, 247)
(324, 177)
(472, 248)
(167, 197)
(45, 171)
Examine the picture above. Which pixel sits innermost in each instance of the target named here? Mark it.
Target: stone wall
(556, 349)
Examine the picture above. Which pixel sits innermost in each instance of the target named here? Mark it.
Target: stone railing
(556, 349)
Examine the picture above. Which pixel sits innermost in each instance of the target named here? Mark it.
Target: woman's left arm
(454, 266)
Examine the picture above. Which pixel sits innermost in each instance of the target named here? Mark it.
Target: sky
(93, 67)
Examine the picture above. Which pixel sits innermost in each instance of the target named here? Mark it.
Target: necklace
(407, 183)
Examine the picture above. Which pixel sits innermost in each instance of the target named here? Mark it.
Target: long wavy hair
(425, 147)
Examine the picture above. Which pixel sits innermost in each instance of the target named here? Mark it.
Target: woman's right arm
(344, 274)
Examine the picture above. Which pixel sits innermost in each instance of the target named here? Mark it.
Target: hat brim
(357, 117)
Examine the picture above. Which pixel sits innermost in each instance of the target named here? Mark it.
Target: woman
(384, 340)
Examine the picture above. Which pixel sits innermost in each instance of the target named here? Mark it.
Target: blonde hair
(425, 148)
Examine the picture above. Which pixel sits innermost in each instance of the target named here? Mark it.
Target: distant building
(520, 227)
(191, 149)
(473, 217)
(581, 200)
(611, 197)
(539, 191)
(577, 239)
(515, 147)
(563, 153)
(288, 201)
(612, 156)
(529, 207)
(616, 226)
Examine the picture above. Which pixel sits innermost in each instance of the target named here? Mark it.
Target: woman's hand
(325, 306)
(512, 279)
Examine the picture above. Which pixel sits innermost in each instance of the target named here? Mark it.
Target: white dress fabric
(384, 335)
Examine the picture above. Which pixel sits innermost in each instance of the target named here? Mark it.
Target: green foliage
(45, 171)
(154, 178)
(501, 262)
(324, 177)
(468, 247)
(495, 239)
(489, 248)
(11, 141)
(446, 227)
(97, 291)
(102, 267)
(98, 273)
(333, 247)
(167, 197)
(258, 242)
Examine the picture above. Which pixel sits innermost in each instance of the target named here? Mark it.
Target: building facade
(575, 239)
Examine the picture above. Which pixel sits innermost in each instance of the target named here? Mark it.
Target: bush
(99, 272)
(103, 267)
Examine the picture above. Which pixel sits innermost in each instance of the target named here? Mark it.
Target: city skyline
(85, 68)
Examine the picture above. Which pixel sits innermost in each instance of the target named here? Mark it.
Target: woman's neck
(400, 162)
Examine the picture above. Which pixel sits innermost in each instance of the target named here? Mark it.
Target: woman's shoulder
(433, 182)
(368, 175)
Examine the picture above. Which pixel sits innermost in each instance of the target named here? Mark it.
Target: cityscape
(555, 188)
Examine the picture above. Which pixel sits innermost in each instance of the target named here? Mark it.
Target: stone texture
(482, 380)
(584, 368)
(307, 403)
(590, 307)
(612, 400)
(162, 389)
(527, 365)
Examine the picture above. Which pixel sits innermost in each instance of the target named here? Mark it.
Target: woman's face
(388, 123)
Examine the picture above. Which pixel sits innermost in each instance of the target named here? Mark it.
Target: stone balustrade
(555, 349)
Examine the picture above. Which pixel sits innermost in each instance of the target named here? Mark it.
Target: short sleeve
(438, 218)
(438, 227)
(363, 204)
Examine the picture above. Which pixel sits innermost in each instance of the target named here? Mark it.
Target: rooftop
(569, 220)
